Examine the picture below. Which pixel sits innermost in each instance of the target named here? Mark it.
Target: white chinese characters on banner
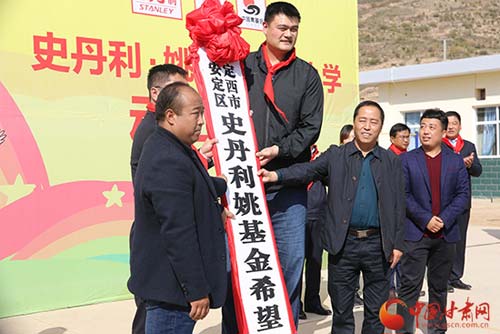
(262, 289)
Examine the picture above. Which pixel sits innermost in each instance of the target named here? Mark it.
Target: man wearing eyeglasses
(400, 138)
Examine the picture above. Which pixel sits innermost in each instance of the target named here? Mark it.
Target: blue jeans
(160, 320)
(288, 211)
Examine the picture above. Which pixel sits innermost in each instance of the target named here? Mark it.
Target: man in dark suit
(316, 212)
(159, 76)
(177, 259)
(467, 151)
(437, 192)
(363, 230)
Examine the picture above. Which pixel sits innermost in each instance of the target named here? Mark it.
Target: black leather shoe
(461, 285)
(450, 289)
(318, 309)
(302, 315)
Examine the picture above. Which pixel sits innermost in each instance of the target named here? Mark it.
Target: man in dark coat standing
(177, 259)
(467, 151)
(437, 192)
(363, 230)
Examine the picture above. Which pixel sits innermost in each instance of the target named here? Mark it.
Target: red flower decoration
(215, 27)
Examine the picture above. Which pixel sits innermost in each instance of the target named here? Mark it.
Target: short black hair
(169, 99)
(160, 73)
(280, 7)
(398, 127)
(454, 114)
(369, 103)
(436, 113)
(345, 132)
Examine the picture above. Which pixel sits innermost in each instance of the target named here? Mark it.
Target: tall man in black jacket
(177, 258)
(363, 230)
(286, 97)
(468, 152)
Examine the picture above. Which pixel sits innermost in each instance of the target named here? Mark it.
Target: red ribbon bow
(215, 27)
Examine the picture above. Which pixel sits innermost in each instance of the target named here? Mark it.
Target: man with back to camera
(286, 97)
(363, 231)
(467, 151)
(177, 259)
(437, 192)
(316, 212)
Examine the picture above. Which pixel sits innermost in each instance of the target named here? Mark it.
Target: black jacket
(316, 201)
(475, 170)
(177, 247)
(142, 133)
(144, 130)
(340, 167)
(299, 94)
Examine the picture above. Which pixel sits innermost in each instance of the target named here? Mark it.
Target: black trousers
(457, 270)
(139, 324)
(229, 325)
(358, 255)
(437, 255)
(313, 259)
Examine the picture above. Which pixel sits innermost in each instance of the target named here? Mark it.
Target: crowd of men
(387, 214)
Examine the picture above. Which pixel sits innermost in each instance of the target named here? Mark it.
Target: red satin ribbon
(215, 27)
(151, 106)
(314, 154)
(271, 70)
(458, 147)
(396, 149)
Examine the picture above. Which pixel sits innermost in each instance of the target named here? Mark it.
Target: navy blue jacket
(454, 193)
(177, 246)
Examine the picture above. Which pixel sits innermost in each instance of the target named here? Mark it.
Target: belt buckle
(362, 234)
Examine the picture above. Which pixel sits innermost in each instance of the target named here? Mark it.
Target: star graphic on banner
(17, 190)
(114, 196)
